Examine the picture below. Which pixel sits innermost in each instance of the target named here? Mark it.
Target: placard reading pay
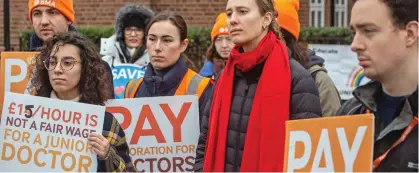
(45, 135)
(332, 144)
(162, 132)
(15, 71)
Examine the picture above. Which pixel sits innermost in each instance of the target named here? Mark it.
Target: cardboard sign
(332, 144)
(47, 135)
(162, 132)
(342, 66)
(15, 72)
(122, 74)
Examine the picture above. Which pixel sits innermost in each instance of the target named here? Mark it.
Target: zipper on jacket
(237, 161)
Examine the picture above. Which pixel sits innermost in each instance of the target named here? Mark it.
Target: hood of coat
(315, 59)
(109, 46)
(142, 15)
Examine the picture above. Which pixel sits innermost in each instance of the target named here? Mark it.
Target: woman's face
(244, 21)
(164, 44)
(133, 37)
(223, 45)
(64, 70)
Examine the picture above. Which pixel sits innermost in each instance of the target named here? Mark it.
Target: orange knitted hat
(220, 26)
(288, 16)
(64, 6)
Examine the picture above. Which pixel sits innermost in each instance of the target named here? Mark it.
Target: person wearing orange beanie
(220, 48)
(288, 16)
(50, 17)
(290, 28)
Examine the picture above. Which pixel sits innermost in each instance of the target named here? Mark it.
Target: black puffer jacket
(305, 103)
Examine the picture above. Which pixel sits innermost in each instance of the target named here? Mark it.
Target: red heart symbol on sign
(119, 90)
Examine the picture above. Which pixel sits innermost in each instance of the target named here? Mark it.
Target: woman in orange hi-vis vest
(167, 73)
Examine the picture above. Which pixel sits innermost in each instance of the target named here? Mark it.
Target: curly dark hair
(92, 85)
(298, 51)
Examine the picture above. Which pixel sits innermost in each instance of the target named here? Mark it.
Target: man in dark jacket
(386, 41)
(49, 18)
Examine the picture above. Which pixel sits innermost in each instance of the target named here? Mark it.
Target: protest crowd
(262, 102)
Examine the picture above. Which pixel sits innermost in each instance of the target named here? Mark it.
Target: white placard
(44, 135)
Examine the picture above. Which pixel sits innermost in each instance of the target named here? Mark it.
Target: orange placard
(337, 144)
(15, 72)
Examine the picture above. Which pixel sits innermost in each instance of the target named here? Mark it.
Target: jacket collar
(35, 42)
(366, 95)
(157, 84)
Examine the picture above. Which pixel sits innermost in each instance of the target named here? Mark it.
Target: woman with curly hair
(69, 68)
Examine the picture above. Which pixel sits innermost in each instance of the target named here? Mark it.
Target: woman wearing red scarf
(260, 88)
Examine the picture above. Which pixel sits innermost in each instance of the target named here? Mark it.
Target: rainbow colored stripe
(356, 80)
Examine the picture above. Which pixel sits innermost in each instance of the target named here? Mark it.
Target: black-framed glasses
(66, 63)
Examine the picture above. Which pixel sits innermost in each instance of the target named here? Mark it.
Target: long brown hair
(92, 85)
(298, 51)
(212, 52)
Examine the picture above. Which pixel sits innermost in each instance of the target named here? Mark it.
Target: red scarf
(265, 138)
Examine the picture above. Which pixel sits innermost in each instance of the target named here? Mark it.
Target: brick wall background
(102, 13)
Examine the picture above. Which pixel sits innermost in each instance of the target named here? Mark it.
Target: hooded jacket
(114, 50)
(35, 43)
(329, 95)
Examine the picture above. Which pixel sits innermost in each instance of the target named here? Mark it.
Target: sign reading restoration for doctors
(162, 132)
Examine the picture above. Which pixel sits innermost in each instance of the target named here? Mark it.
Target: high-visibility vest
(192, 83)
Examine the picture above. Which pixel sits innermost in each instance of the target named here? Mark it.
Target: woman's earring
(264, 27)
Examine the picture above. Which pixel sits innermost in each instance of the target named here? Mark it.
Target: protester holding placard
(167, 74)
(386, 41)
(52, 17)
(69, 68)
(220, 48)
(127, 45)
(260, 89)
(290, 29)
(126, 51)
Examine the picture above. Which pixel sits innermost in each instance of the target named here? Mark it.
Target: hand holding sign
(53, 138)
(99, 144)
